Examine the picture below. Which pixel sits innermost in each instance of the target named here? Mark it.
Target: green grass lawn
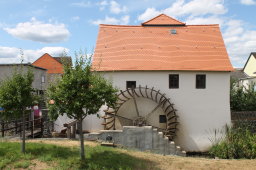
(59, 157)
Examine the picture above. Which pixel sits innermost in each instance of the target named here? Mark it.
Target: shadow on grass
(68, 158)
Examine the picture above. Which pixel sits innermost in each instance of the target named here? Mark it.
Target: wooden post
(16, 126)
(32, 128)
(69, 132)
(74, 131)
(20, 125)
(42, 125)
(2, 128)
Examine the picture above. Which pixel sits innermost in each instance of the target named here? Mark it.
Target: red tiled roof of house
(188, 48)
(48, 62)
(163, 20)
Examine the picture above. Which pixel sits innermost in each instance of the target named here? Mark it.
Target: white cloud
(35, 30)
(114, 21)
(192, 8)
(83, 4)
(13, 54)
(204, 20)
(248, 2)
(148, 14)
(75, 18)
(116, 8)
(102, 5)
(239, 40)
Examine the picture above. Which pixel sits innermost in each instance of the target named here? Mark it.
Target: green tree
(242, 98)
(16, 94)
(80, 92)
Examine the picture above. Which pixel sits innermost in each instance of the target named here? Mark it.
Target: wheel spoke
(119, 116)
(159, 105)
(135, 103)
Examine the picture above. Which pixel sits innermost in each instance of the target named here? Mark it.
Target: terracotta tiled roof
(193, 47)
(48, 62)
(163, 20)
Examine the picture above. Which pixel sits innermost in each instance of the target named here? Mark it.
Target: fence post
(2, 128)
(32, 128)
(74, 131)
(69, 132)
(42, 125)
(16, 126)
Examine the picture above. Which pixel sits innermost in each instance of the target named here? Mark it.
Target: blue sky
(55, 26)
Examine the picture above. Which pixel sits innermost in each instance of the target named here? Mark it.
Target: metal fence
(246, 119)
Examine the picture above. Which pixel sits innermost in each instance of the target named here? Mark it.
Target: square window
(173, 81)
(200, 81)
(162, 119)
(130, 84)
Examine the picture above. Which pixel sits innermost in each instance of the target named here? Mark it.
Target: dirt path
(157, 161)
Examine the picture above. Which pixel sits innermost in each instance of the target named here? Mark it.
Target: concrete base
(142, 138)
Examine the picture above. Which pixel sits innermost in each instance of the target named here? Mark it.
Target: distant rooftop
(24, 64)
(238, 73)
(64, 60)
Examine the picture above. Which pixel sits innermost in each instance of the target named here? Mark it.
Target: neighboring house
(238, 74)
(54, 65)
(250, 70)
(250, 65)
(188, 64)
(40, 77)
(247, 75)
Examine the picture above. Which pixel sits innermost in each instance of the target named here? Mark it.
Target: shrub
(239, 142)
(242, 98)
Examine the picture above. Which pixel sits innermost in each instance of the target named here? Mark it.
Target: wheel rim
(113, 115)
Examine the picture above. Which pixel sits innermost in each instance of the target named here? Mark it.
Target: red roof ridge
(111, 25)
(41, 56)
(204, 25)
(176, 22)
(136, 26)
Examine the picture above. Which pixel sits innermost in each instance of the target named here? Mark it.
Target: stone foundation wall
(142, 138)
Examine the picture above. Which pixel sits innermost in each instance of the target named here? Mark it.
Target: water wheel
(142, 106)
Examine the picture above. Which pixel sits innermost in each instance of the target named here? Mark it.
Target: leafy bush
(239, 142)
(242, 98)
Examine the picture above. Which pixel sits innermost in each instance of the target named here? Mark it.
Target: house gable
(163, 20)
(48, 62)
(250, 65)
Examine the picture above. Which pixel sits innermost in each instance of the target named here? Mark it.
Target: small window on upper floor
(130, 84)
(43, 79)
(173, 81)
(200, 81)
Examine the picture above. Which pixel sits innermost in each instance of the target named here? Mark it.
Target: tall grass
(238, 142)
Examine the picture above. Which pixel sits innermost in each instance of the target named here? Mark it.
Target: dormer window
(173, 31)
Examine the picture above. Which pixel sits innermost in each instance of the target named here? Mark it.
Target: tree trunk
(23, 132)
(80, 124)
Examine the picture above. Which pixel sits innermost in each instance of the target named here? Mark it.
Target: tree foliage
(80, 92)
(16, 93)
(242, 98)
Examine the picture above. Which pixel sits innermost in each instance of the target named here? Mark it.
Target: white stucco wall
(200, 111)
